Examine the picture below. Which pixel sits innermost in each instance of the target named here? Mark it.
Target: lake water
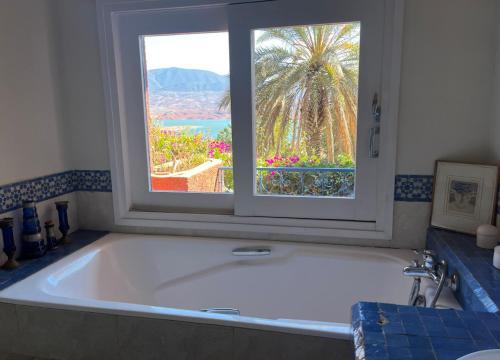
(209, 128)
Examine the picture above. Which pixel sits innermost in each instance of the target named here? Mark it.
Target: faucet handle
(429, 257)
(425, 252)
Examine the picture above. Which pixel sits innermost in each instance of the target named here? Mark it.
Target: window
(188, 119)
(233, 112)
(306, 100)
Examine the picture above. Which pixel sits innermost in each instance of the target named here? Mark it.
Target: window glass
(187, 112)
(306, 98)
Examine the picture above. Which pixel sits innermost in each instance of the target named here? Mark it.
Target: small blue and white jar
(9, 246)
(62, 213)
(33, 244)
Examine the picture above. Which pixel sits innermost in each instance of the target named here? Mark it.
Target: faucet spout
(420, 272)
(430, 269)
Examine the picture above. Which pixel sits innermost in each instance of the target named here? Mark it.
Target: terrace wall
(203, 178)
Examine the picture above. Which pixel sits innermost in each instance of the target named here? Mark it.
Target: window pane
(306, 98)
(188, 113)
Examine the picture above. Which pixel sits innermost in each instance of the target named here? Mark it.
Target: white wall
(495, 133)
(31, 124)
(448, 62)
(82, 87)
(446, 95)
(446, 98)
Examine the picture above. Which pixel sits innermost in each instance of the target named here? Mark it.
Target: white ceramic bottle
(487, 236)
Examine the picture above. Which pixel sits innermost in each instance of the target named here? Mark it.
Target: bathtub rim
(16, 294)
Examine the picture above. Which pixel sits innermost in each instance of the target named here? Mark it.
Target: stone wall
(203, 178)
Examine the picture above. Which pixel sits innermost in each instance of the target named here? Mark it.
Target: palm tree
(306, 89)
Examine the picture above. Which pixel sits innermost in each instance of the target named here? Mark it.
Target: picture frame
(464, 196)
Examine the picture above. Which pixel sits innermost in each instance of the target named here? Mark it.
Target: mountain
(184, 105)
(186, 80)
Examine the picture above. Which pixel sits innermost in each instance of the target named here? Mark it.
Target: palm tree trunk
(315, 142)
(330, 141)
(324, 112)
(296, 129)
(346, 131)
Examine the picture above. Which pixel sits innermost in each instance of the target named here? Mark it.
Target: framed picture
(465, 196)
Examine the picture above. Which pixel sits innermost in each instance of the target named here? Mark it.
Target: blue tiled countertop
(386, 331)
(27, 267)
(398, 332)
(479, 288)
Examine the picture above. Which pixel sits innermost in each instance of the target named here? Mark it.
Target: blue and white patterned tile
(92, 180)
(413, 188)
(50, 186)
(408, 188)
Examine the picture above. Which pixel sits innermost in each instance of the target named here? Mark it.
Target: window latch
(375, 130)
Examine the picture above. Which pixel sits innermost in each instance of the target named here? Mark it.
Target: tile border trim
(408, 188)
(50, 186)
(413, 188)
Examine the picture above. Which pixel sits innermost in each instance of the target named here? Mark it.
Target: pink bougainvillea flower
(294, 159)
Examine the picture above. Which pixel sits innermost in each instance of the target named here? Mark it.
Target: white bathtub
(298, 288)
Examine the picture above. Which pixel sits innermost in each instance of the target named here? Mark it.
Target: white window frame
(243, 19)
(110, 12)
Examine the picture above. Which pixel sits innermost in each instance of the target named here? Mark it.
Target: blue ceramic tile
(437, 341)
(413, 188)
(395, 340)
(450, 322)
(392, 317)
(375, 352)
(492, 324)
(398, 353)
(393, 328)
(414, 329)
(451, 354)
(407, 310)
(48, 187)
(92, 180)
(459, 332)
(427, 311)
(496, 335)
(479, 288)
(388, 308)
(422, 333)
(374, 337)
(421, 354)
(419, 342)
(367, 306)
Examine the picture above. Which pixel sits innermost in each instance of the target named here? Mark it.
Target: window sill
(322, 230)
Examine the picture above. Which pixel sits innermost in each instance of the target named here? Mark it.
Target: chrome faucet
(431, 269)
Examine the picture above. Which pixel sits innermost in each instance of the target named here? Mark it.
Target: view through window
(306, 90)
(189, 126)
(306, 98)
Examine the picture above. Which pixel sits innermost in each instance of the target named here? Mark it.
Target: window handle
(374, 135)
(376, 109)
(375, 130)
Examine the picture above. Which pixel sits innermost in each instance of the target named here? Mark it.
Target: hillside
(177, 94)
(177, 79)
